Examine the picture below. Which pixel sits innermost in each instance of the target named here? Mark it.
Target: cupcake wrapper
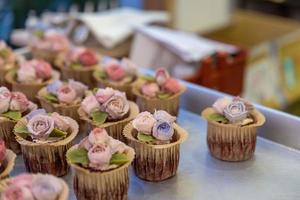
(85, 76)
(155, 162)
(6, 133)
(8, 164)
(230, 142)
(30, 90)
(46, 55)
(108, 185)
(64, 195)
(114, 129)
(47, 158)
(171, 105)
(70, 111)
(3, 72)
(127, 88)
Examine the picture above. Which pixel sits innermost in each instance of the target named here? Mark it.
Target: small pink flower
(88, 58)
(66, 94)
(99, 156)
(117, 106)
(161, 76)
(115, 71)
(90, 104)
(5, 97)
(98, 135)
(42, 68)
(150, 89)
(17, 193)
(84, 143)
(2, 151)
(60, 122)
(221, 103)
(19, 102)
(40, 126)
(144, 122)
(172, 85)
(103, 95)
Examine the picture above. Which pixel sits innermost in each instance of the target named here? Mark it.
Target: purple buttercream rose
(163, 130)
(53, 87)
(117, 106)
(236, 111)
(36, 112)
(40, 126)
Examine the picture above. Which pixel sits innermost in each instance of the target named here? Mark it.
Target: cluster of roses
(67, 92)
(6, 55)
(34, 71)
(159, 125)
(40, 125)
(163, 83)
(14, 101)
(2, 151)
(81, 56)
(118, 70)
(235, 110)
(108, 100)
(101, 147)
(33, 187)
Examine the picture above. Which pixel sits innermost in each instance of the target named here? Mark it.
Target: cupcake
(7, 61)
(7, 160)
(100, 165)
(231, 128)
(63, 97)
(31, 77)
(48, 45)
(156, 141)
(34, 187)
(79, 64)
(45, 139)
(13, 106)
(117, 75)
(109, 109)
(161, 92)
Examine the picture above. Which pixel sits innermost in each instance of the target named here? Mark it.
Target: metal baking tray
(272, 174)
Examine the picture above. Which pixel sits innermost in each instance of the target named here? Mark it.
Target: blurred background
(249, 48)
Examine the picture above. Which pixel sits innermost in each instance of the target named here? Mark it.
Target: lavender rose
(163, 130)
(19, 102)
(35, 112)
(164, 116)
(221, 103)
(46, 187)
(117, 106)
(40, 126)
(5, 97)
(53, 87)
(66, 94)
(79, 87)
(90, 104)
(144, 122)
(99, 156)
(103, 95)
(235, 111)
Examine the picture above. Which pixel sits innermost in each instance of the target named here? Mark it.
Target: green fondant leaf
(57, 133)
(50, 97)
(148, 78)
(95, 90)
(76, 66)
(145, 138)
(217, 118)
(22, 131)
(99, 117)
(100, 74)
(119, 159)
(78, 156)
(14, 115)
(163, 95)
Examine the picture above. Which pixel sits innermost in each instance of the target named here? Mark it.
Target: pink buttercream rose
(88, 58)
(221, 103)
(150, 89)
(42, 68)
(17, 193)
(117, 106)
(60, 122)
(99, 156)
(144, 122)
(2, 151)
(19, 102)
(172, 85)
(40, 126)
(103, 95)
(90, 104)
(161, 76)
(5, 97)
(56, 41)
(22, 180)
(79, 87)
(115, 71)
(26, 73)
(66, 94)
(98, 135)
(164, 116)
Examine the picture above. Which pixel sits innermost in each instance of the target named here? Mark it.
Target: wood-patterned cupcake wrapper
(65, 110)
(84, 75)
(64, 195)
(47, 158)
(8, 164)
(108, 185)
(30, 90)
(114, 129)
(155, 162)
(230, 142)
(3, 72)
(6, 133)
(46, 55)
(171, 104)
